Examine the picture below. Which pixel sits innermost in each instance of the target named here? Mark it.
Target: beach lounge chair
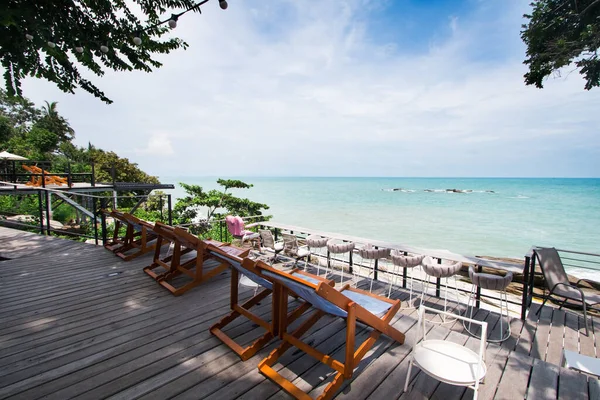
(235, 226)
(139, 239)
(268, 242)
(163, 265)
(182, 277)
(352, 304)
(248, 268)
(123, 233)
(561, 290)
(117, 239)
(447, 361)
(36, 177)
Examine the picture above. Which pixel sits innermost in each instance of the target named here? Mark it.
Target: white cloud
(280, 88)
(158, 145)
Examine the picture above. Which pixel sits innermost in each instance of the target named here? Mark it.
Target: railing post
(478, 292)
(438, 282)
(160, 205)
(93, 179)
(169, 204)
(14, 172)
(69, 179)
(103, 219)
(405, 274)
(525, 295)
(47, 199)
(531, 280)
(95, 202)
(41, 210)
(375, 268)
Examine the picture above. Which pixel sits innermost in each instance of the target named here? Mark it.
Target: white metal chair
(268, 242)
(316, 242)
(292, 249)
(442, 271)
(490, 282)
(447, 361)
(373, 255)
(336, 248)
(409, 262)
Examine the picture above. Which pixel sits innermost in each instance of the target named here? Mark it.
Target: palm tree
(52, 121)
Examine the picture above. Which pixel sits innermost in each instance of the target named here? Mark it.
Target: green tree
(20, 111)
(560, 33)
(6, 129)
(41, 142)
(216, 203)
(52, 40)
(125, 171)
(52, 121)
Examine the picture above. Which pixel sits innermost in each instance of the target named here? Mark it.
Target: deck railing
(478, 262)
(12, 171)
(88, 206)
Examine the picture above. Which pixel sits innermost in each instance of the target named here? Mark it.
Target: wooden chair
(348, 303)
(162, 265)
(117, 239)
(139, 236)
(198, 269)
(248, 268)
(36, 177)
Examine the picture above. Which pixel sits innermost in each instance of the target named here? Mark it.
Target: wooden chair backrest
(243, 265)
(136, 222)
(187, 239)
(164, 230)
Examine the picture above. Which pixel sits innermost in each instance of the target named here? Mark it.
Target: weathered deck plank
(544, 381)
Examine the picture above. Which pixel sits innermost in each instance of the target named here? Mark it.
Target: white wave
(582, 273)
(398, 190)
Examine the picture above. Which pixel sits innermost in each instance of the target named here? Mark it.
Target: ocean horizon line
(376, 177)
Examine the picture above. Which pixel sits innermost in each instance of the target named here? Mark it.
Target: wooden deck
(78, 322)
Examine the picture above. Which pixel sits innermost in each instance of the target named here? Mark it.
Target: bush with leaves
(216, 203)
(55, 40)
(560, 33)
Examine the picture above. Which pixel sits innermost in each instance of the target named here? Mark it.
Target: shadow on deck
(77, 322)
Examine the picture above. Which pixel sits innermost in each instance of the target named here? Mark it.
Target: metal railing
(88, 209)
(12, 171)
(479, 263)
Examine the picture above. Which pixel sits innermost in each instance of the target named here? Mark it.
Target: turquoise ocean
(500, 217)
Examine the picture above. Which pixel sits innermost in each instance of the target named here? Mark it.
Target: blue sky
(344, 88)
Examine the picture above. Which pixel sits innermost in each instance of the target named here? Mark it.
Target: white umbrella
(5, 155)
